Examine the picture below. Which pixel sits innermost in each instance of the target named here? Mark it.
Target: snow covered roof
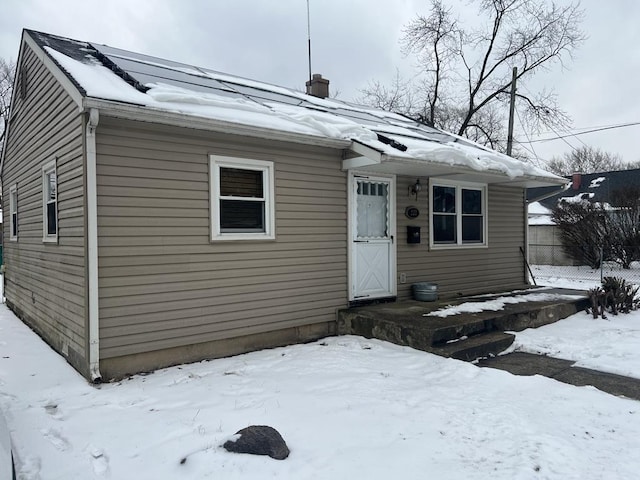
(124, 83)
(600, 187)
(539, 214)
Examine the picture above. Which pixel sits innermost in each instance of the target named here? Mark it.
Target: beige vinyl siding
(164, 284)
(46, 282)
(464, 270)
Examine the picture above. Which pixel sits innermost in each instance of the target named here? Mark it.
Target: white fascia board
(13, 90)
(529, 181)
(357, 162)
(57, 72)
(367, 156)
(147, 114)
(495, 176)
(375, 155)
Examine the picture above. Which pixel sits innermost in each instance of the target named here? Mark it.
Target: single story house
(159, 213)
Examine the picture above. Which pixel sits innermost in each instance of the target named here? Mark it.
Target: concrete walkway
(520, 363)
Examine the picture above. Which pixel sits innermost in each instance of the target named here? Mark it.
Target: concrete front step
(478, 346)
(459, 328)
(409, 323)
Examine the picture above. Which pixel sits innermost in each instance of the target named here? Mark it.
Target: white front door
(372, 236)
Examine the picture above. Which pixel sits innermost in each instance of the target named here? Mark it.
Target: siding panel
(164, 284)
(46, 282)
(497, 267)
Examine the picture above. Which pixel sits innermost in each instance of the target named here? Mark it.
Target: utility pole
(512, 108)
(309, 37)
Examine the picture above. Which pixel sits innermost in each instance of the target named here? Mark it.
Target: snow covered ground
(582, 278)
(348, 408)
(610, 345)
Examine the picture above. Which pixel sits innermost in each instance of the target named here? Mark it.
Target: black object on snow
(259, 440)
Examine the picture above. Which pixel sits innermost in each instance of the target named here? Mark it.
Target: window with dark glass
(444, 215)
(242, 200)
(13, 208)
(472, 218)
(52, 221)
(50, 203)
(457, 216)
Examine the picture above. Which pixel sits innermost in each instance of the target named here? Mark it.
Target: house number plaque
(411, 212)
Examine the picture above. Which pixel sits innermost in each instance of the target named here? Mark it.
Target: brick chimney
(576, 180)
(318, 86)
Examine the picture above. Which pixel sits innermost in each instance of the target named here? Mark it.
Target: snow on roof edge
(101, 83)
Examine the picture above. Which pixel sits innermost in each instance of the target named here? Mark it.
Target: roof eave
(149, 114)
(432, 168)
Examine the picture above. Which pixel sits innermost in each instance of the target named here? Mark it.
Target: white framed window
(13, 211)
(49, 203)
(242, 199)
(458, 214)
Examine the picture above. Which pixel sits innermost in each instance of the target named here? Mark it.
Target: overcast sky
(353, 42)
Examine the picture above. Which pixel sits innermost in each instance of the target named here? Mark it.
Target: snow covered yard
(609, 345)
(348, 408)
(583, 277)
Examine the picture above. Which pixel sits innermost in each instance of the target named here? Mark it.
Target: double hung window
(458, 214)
(13, 209)
(49, 203)
(242, 199)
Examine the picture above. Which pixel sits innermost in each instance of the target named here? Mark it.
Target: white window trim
(215, 163)
(485, 215)
(46, 169)
(13, 205)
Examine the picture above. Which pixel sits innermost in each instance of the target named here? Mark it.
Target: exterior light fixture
(415, 188)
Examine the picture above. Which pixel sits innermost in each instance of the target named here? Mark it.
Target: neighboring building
(600, 187)
(545, 247)
(159, 213)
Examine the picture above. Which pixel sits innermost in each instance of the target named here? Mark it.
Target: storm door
(372, 231)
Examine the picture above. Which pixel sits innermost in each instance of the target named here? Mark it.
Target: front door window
(372, 206)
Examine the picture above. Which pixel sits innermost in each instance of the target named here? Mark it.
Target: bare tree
(464, 77)
(595, 232)
(623, 220)
(587, 160)
(582, 227)
(396, 97)
(7, 72)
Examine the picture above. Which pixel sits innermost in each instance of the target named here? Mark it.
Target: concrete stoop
(466, 336)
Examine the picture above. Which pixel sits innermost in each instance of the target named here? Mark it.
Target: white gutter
(551, 194)
(92, 247)
(143, 113)
(500, 176)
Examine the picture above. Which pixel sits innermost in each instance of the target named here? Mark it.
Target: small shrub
(615, 295)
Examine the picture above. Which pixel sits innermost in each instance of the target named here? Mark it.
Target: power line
(590, 127)
(558, 136)
(575, 135)
(532, 150)
(601, 129)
